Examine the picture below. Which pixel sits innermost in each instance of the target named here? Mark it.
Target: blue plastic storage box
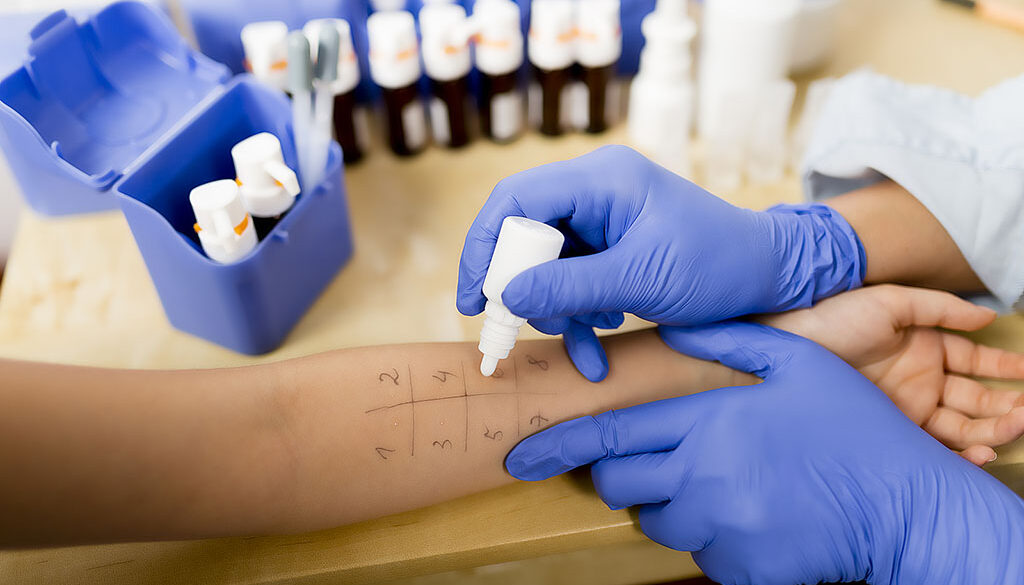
(139, 119)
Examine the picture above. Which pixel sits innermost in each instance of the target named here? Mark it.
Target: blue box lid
(92, 97)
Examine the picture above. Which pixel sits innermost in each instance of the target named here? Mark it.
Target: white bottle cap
(266, 52)
(668, 32)
(598, 33)
(224, 228)
(552, 34)
(445, 32)
(348, 65)
(268, 187)
(499, 40)
(522, 243)
(394, 54)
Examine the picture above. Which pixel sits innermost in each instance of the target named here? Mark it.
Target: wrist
(818, 254)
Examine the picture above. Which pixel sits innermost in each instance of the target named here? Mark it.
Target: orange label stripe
(239, 229)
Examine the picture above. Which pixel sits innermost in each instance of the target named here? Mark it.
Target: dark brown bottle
(597, 81)
(551, 51)
(346, 129)
(501, 107)
(448, 112)
(405, 119)
(552, 88)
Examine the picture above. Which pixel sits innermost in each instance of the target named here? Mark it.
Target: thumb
(749, 347)
(572, 286)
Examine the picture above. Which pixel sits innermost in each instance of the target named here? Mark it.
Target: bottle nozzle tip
(488, 365)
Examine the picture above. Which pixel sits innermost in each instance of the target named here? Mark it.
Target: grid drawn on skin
(465, 396)
(492, 423)
(393, 385)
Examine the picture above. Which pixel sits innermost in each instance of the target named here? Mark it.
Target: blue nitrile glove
(810, 476)
(643, 240)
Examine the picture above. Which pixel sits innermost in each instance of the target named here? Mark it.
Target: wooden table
(76, 291)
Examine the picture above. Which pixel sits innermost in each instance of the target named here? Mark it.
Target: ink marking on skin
(465, 402)
(515, 385)
(542, 364)
(389, 376)
(384, 452)
(495, 436)
(412, 425)
(538, 420)
(446, 444)
(443, 375)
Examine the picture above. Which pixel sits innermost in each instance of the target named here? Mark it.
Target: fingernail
(994, 457)
(515, 467)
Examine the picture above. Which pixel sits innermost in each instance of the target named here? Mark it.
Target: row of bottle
(573, 53)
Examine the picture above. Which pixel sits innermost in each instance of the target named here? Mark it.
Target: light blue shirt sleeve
(962, 157)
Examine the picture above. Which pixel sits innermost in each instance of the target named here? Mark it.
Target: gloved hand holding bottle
(810, 476)
(643, 240)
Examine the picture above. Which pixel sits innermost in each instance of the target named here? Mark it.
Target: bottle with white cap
(395, 67)
(225, 230)
(445, 31)
(266, 185)
(551, 51)
(745, 45)
(266, 52)
(351, 126)
(499, 55)
(598, 48)
(661, 99)
(522, 243)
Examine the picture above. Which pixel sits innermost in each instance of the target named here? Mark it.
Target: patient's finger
(959, 431)
(932, 308)
(963, 356)
(978, 454)
(977, 400)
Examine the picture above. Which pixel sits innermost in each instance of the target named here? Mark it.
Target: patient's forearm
(100, 455)
(424, 426)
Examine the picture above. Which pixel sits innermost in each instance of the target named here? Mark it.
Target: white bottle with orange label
(266, 52)
(225, 230)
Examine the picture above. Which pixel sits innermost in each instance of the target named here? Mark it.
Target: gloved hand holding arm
(811, 476)
(648, 242)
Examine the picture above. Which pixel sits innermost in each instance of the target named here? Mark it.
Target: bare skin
(903, 241)
(93, 455)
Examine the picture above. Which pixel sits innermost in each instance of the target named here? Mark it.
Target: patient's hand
(890, 333)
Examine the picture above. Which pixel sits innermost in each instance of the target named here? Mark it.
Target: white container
(266, 52)
(552, 32)
(225, 229)
(522, 243)
(394, 50)
(445, 31)
(268, 186)
(767, 140)
(499, 40)
(745, 44)
(661, 97)
(814, 37)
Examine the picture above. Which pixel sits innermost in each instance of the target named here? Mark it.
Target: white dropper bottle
(661, 97)
(522, 243)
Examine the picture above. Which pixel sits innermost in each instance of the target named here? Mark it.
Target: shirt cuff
(962, 158)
